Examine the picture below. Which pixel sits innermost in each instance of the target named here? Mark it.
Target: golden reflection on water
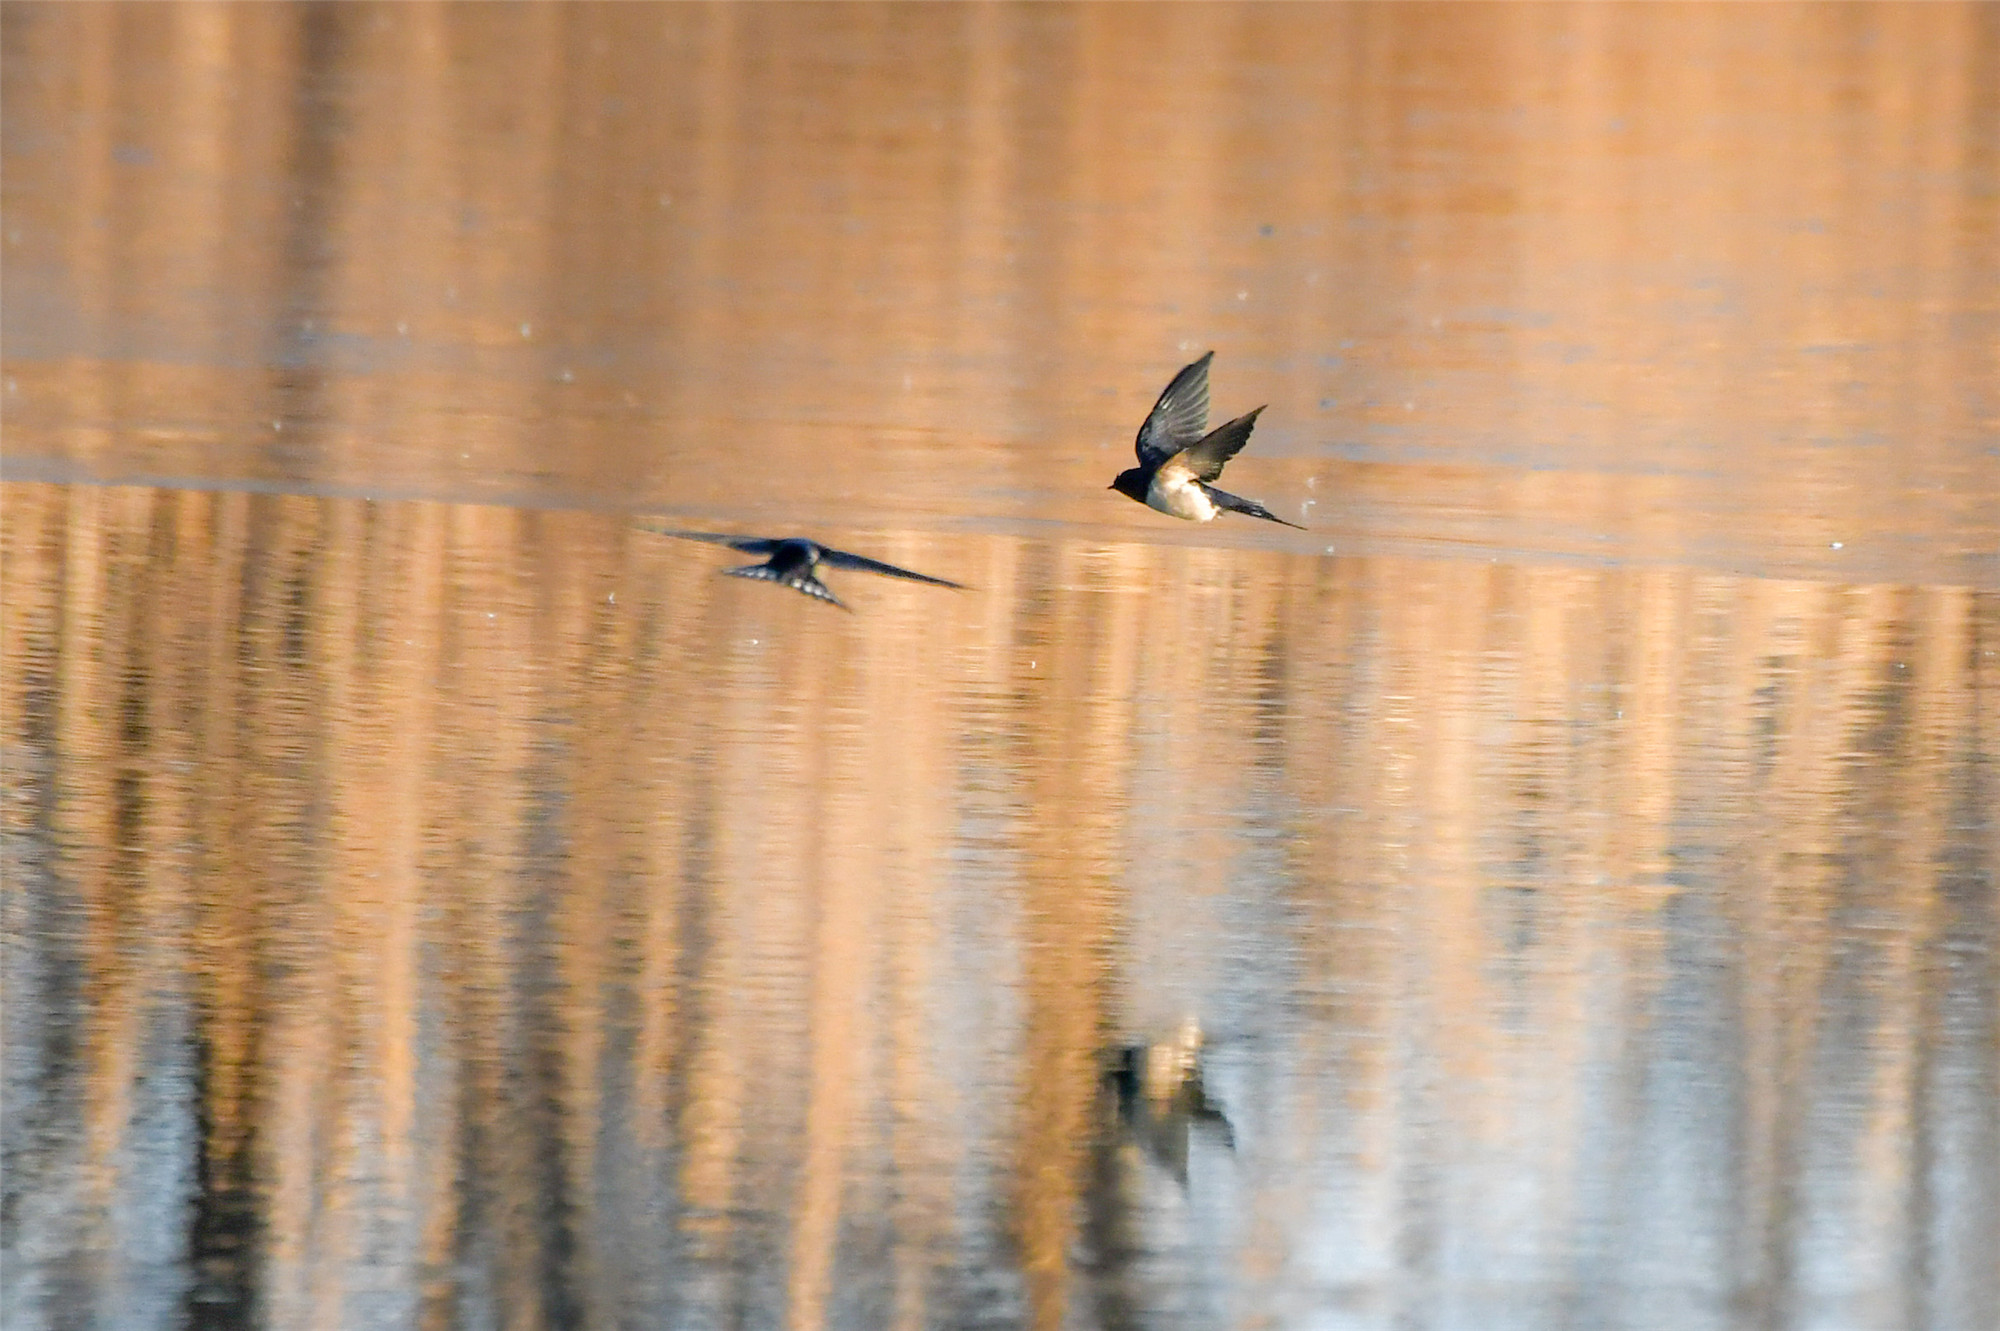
(1696, 284)
(1578, 850)
(461, 908)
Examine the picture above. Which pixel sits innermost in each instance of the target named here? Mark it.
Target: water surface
(433, 902)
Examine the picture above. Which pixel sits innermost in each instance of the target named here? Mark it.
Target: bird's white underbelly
(1181, 495)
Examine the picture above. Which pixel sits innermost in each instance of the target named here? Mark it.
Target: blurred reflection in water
(463, 916)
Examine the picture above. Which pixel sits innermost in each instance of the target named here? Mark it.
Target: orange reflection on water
(509, 913)
(430, 901)
(1655, 283)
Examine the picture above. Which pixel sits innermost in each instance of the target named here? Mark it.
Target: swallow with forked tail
(1179, 456)
(794, 561)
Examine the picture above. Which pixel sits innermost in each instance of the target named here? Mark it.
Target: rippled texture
(432, 902)
(1680, 286)
(460, 909)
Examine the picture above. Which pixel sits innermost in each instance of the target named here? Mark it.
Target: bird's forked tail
(1238, 504)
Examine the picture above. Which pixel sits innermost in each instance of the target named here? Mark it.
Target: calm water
(432, 902)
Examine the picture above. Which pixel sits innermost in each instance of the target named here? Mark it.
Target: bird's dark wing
(1179, 417)
(1205, 459)
(798, 582)
(749, 545)
(841, 559)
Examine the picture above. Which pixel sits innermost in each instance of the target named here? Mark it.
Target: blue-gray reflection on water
(427, 912)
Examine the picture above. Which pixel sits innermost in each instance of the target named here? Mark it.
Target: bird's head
(1132, 483)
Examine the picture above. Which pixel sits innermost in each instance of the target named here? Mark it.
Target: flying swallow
(793, 561)
(1177, 460)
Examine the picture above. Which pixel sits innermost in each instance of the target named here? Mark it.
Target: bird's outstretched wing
(749, 545)
(1206, 458)
(798, 582)
(1179, 417)
(841, 559)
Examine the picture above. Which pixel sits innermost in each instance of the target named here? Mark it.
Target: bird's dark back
(793, 556)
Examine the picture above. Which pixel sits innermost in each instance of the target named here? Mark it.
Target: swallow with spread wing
(1179, 455)
(794, 561)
